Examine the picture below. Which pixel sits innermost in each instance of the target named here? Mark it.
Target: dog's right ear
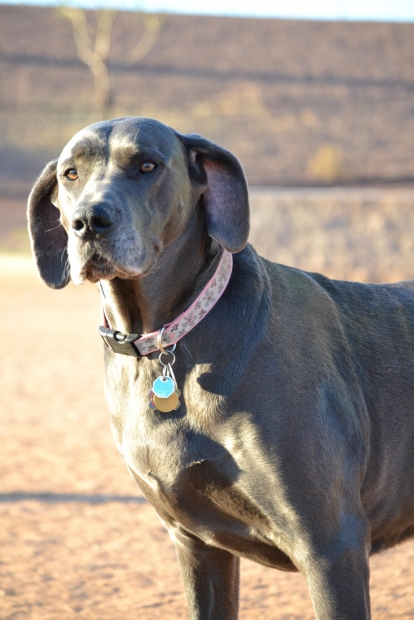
(48, 238)
(225, 197)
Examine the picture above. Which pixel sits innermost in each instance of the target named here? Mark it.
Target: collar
(138, 345)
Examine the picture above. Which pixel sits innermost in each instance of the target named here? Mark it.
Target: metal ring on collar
(166, 353)
(160, 345)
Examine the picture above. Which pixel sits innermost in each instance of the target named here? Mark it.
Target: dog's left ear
(226, 201)
(47, 235)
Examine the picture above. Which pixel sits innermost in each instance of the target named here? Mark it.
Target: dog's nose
(96, 220)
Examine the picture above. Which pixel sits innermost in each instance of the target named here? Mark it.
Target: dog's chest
(196, 485)
(161, 453)
(202, 477)
(179, 469)
(166, 452)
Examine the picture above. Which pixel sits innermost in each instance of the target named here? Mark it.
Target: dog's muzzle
(93, 221)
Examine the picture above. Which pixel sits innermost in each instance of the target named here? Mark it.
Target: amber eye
(147, 166)
(71, 174)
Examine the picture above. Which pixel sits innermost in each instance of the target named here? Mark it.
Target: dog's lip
(99, 267)
(97, 260)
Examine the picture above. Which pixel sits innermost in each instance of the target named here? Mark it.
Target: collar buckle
(119, 342)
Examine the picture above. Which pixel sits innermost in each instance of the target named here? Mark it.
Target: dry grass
(359, 234)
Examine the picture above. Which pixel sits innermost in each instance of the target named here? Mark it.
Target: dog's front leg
(337, 576)
(211, 578)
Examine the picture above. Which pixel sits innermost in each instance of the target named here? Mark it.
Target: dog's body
(294, 444)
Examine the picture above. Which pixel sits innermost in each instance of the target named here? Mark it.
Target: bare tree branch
(93, 45)
(103, 34)
(152, 27)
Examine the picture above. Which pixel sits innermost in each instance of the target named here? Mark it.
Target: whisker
(50, 229)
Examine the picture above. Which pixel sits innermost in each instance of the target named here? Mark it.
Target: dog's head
(122, 190)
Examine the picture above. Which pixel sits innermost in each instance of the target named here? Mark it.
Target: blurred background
(320, 114)
(317, 102)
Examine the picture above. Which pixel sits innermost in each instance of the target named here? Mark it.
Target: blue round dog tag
(163, 387)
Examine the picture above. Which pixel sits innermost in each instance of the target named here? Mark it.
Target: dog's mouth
(99, 268)
(93, 262)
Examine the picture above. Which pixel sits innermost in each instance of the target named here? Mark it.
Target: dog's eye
(71, 174)
(147, 166)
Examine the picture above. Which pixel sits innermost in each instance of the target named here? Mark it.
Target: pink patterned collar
(179, 327)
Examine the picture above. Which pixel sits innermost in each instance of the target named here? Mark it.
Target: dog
(291, 440)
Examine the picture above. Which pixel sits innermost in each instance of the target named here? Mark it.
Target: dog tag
(166, 404)
(165, 395)
(151, 404)
(163, 387)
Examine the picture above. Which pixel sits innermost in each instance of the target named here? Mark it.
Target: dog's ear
(225, 198)
(48, 238)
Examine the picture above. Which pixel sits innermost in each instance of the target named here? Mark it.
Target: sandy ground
(77, 539)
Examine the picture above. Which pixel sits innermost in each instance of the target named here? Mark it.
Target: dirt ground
(77, 539)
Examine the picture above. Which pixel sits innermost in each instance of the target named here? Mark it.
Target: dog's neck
(145, 304)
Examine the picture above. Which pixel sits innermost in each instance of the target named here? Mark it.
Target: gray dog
(293, 441)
